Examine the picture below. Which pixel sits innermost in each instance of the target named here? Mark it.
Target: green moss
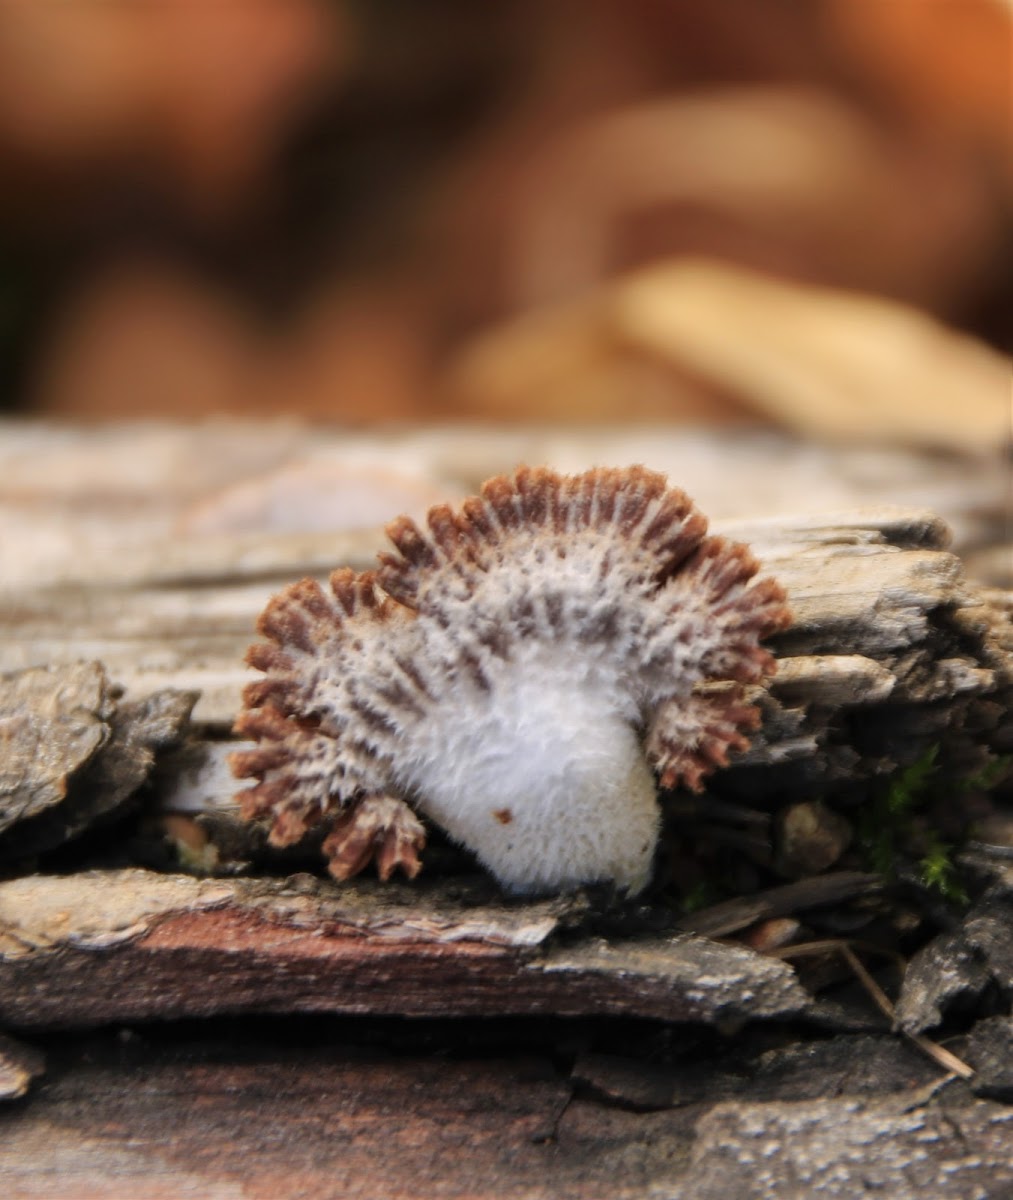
(937, 871)
(702, 895)
(991, 773)
(907, 789)
(894, 829)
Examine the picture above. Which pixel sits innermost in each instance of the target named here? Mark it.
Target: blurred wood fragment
(19, 1065)
(824, 363)
(118, 503)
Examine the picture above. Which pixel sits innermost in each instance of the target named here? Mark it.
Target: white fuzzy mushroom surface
(524, 670)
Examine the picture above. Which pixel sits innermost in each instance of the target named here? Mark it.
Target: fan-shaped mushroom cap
(514, 670)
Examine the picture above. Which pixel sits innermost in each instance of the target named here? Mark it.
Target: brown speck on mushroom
(543, 653)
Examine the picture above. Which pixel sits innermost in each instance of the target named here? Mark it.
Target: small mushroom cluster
(523, 671)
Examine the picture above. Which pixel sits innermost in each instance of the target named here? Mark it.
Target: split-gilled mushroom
(518, 672)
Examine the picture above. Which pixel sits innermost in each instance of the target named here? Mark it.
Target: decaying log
(151, 552)
(891, 651)
(96, 947)
(237, 1116)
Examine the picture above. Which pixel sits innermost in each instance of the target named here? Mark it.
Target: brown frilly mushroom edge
(524, 671)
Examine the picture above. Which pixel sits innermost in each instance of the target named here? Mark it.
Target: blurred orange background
(554, 210)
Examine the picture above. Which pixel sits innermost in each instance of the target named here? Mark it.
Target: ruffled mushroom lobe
(537, 652)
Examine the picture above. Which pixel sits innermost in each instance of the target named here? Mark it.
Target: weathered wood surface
(825, 1148)
(153, 549)
(148, 502)
(965, 963)
(95, 947)
(242, 1119)
(72, 754)
(131, 945)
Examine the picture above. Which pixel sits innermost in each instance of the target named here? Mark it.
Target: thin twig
(832, 945)
(881, 999)
(939, 1054)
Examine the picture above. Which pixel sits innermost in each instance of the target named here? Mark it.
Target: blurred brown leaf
(946, 62)
(324, 202)
(796, 181)
(192, 89)
(149, 338)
